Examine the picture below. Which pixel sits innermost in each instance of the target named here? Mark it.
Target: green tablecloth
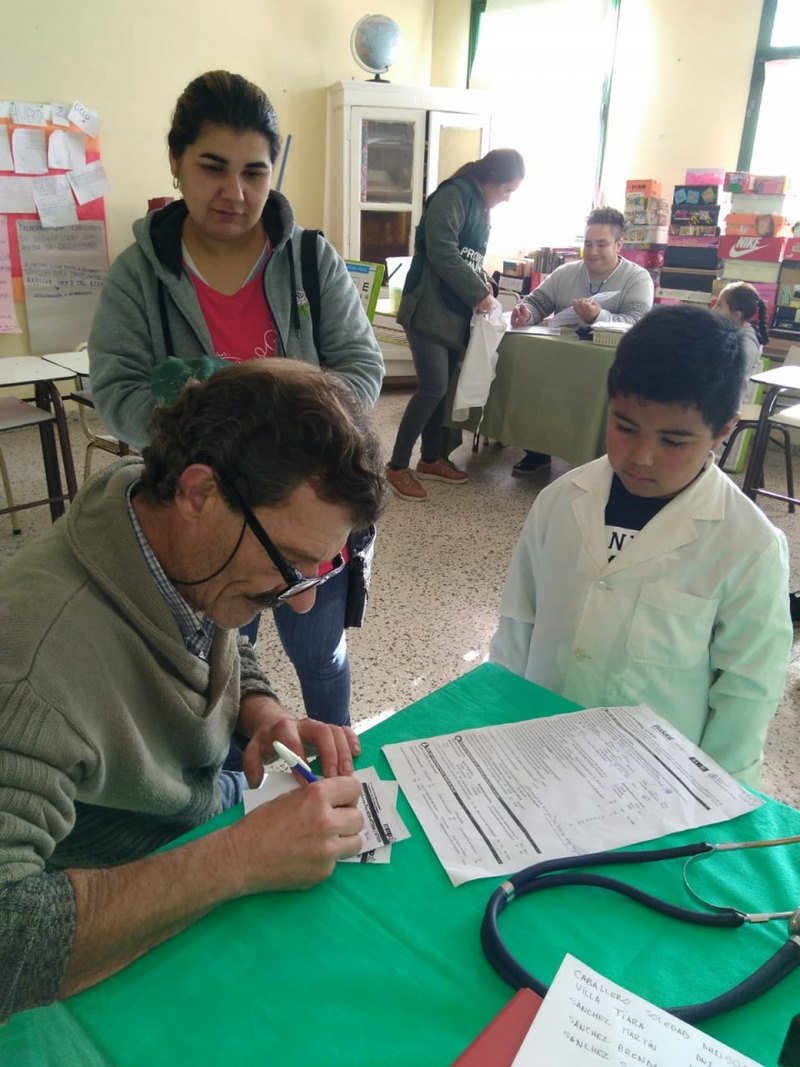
(549, 395)
(385, 966)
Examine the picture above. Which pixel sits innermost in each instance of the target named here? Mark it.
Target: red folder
(499, 1041)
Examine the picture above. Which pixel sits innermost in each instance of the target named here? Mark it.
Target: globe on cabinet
(375, 44)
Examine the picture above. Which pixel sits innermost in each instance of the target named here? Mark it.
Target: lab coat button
(580, 655)
(602, 585)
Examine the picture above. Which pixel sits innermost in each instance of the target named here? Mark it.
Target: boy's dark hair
(682, 355)
(222, 99)
(266, 426)
(607, 216)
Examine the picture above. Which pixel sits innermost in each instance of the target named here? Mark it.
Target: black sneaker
(530, 463)
(794, 607)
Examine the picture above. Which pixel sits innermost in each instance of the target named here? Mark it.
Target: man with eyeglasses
(123, 678)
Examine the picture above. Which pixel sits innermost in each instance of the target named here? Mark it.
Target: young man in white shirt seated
(576, 285)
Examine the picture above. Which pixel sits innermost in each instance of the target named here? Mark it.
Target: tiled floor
(438, 574)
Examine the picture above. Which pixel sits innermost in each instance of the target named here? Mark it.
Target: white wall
(679, 95)
(678, 99)
(153, 48)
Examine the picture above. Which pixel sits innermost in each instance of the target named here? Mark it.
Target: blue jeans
(435, 365)
(317, 646)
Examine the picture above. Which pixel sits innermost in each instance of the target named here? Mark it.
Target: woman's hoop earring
(176, 183)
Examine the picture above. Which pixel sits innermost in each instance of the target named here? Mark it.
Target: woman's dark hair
(220, 98)
(744, 298)
(682, 355)
(607, 216)
(497, 167)
(266, 426)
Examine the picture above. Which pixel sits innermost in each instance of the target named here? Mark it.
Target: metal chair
(781, 421)
(16, 414)
(103, 441)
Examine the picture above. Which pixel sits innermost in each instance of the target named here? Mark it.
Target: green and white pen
(294, 761)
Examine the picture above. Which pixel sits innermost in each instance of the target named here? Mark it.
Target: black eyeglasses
(296, 582)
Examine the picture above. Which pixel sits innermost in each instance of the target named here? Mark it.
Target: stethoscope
(540, 876)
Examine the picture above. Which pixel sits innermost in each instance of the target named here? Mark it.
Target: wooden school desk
(549, 395)
(382, 965)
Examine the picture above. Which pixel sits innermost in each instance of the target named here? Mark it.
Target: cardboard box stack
(758, 246)
(646, 217)
(691, 258)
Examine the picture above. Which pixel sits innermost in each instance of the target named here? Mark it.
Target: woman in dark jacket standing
(445, 284)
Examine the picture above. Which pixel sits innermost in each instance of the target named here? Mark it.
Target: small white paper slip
(85, 119)
(16, 195)
(372, 790)
(23, 114)
(6, 161)
(30, 155)
(54, 201)
(587, 1019)
(66, 150)
(89, 182)
(382, 824)
(59, 114)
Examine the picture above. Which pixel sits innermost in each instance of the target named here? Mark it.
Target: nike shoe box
(703, 258)
(761, 249)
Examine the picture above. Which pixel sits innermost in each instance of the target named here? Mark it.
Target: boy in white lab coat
(646, 576)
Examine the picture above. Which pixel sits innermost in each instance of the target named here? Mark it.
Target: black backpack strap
(166, 331)
(309, 267)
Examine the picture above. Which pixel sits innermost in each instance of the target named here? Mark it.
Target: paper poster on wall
(6, 162)
(89, 182)
(30, 155)
(66, 150)
(85, 118)
(63, 271)
(8, 318)
(59, 114)
(54, 202)
(23, 114)
(16, 196)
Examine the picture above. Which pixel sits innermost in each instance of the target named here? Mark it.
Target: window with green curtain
(550, 62)
(769, 140)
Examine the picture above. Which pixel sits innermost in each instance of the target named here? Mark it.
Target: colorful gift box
(692, 241)
(705, 176)
(645, 186)
(693, 215)
(738, 181)
(700, 195)
(748, 224)
(646, 235)
(686, 229)
(770, 185)
(651, 257)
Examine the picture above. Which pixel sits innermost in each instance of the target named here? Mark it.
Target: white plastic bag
(480, 361)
